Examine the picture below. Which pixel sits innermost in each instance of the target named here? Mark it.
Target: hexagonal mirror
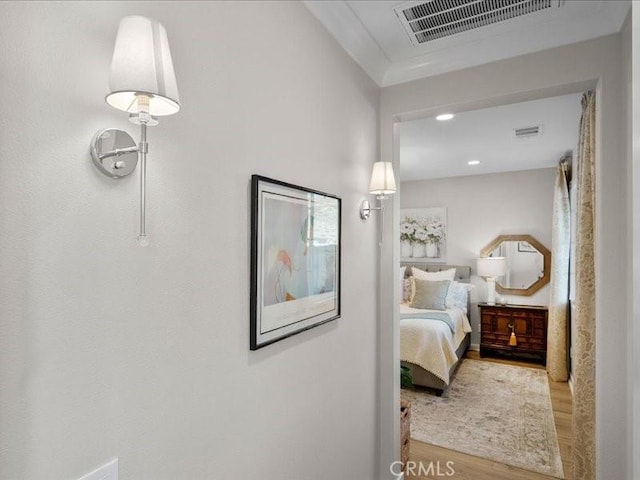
(528, 264)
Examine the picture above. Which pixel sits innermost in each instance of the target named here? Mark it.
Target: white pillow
(434, 276)
(402, 270)
(458, 295)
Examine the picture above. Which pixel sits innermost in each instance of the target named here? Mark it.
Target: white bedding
(430, 343)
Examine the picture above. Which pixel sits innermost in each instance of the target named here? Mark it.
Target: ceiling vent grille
(528, 131)
(429, 20)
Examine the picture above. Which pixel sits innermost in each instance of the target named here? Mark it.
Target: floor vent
(433, 19)
(528, 131)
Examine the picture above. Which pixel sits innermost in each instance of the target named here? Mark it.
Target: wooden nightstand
(529, 322)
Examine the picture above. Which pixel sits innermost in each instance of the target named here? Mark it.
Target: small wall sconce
(143, 83)
(490, 268)
(382, 183)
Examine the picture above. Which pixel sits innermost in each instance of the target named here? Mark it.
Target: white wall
(627, 78)
(631, 43)
(558, 71)
(107, 349)
(481, 207)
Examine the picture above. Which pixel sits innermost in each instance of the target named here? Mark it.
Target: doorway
(393, 103)
(484, 178)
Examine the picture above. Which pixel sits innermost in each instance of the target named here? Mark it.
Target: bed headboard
(463, 272)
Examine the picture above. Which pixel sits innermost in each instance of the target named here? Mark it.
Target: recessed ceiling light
(473, 162)
(445, 116)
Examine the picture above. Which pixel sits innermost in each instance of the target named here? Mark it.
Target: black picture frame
(526, 247)
(295, 260)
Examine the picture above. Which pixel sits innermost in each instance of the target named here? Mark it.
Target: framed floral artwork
(423, 234)
(295, 259)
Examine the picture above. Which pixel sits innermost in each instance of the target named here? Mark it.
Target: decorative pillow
(433, 276)
(406, 289)
(430, 295)
(402, 271)
(458, 295)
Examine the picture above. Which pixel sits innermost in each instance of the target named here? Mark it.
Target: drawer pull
(513, 340)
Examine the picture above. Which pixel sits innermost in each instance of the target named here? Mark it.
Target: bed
(430, 347)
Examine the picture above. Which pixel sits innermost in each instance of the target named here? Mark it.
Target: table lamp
(490, 268)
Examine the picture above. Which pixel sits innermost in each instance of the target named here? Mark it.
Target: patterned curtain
(558, 302)
(584, 364)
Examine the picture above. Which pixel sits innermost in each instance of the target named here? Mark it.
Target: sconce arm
(117, 152)
(366, 208)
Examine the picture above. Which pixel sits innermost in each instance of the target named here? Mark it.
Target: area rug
(494, 411)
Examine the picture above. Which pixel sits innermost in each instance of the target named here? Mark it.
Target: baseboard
(570, 381)
(474, 347)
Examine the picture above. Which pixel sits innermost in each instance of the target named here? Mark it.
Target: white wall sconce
(143, 83)
(382, 183)
(490, 268)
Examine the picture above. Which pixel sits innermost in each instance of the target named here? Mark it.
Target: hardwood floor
(468, 467)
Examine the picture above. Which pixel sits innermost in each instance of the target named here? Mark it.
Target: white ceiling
(370, 31)
(434, 149)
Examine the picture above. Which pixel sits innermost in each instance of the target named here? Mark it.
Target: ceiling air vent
(432, 19)
(528, 131)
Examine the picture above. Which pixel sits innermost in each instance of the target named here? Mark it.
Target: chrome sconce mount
(114, 152)
(366, 208)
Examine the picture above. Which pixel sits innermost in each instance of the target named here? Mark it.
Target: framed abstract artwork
(295, 260)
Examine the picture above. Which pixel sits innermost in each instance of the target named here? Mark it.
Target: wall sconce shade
(383, 181)
(142, 67)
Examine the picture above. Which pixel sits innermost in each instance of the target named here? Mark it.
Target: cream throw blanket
(430, 343)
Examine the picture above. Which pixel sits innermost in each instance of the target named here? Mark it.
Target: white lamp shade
(492, 266)
(382, 180)
(142, 65)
